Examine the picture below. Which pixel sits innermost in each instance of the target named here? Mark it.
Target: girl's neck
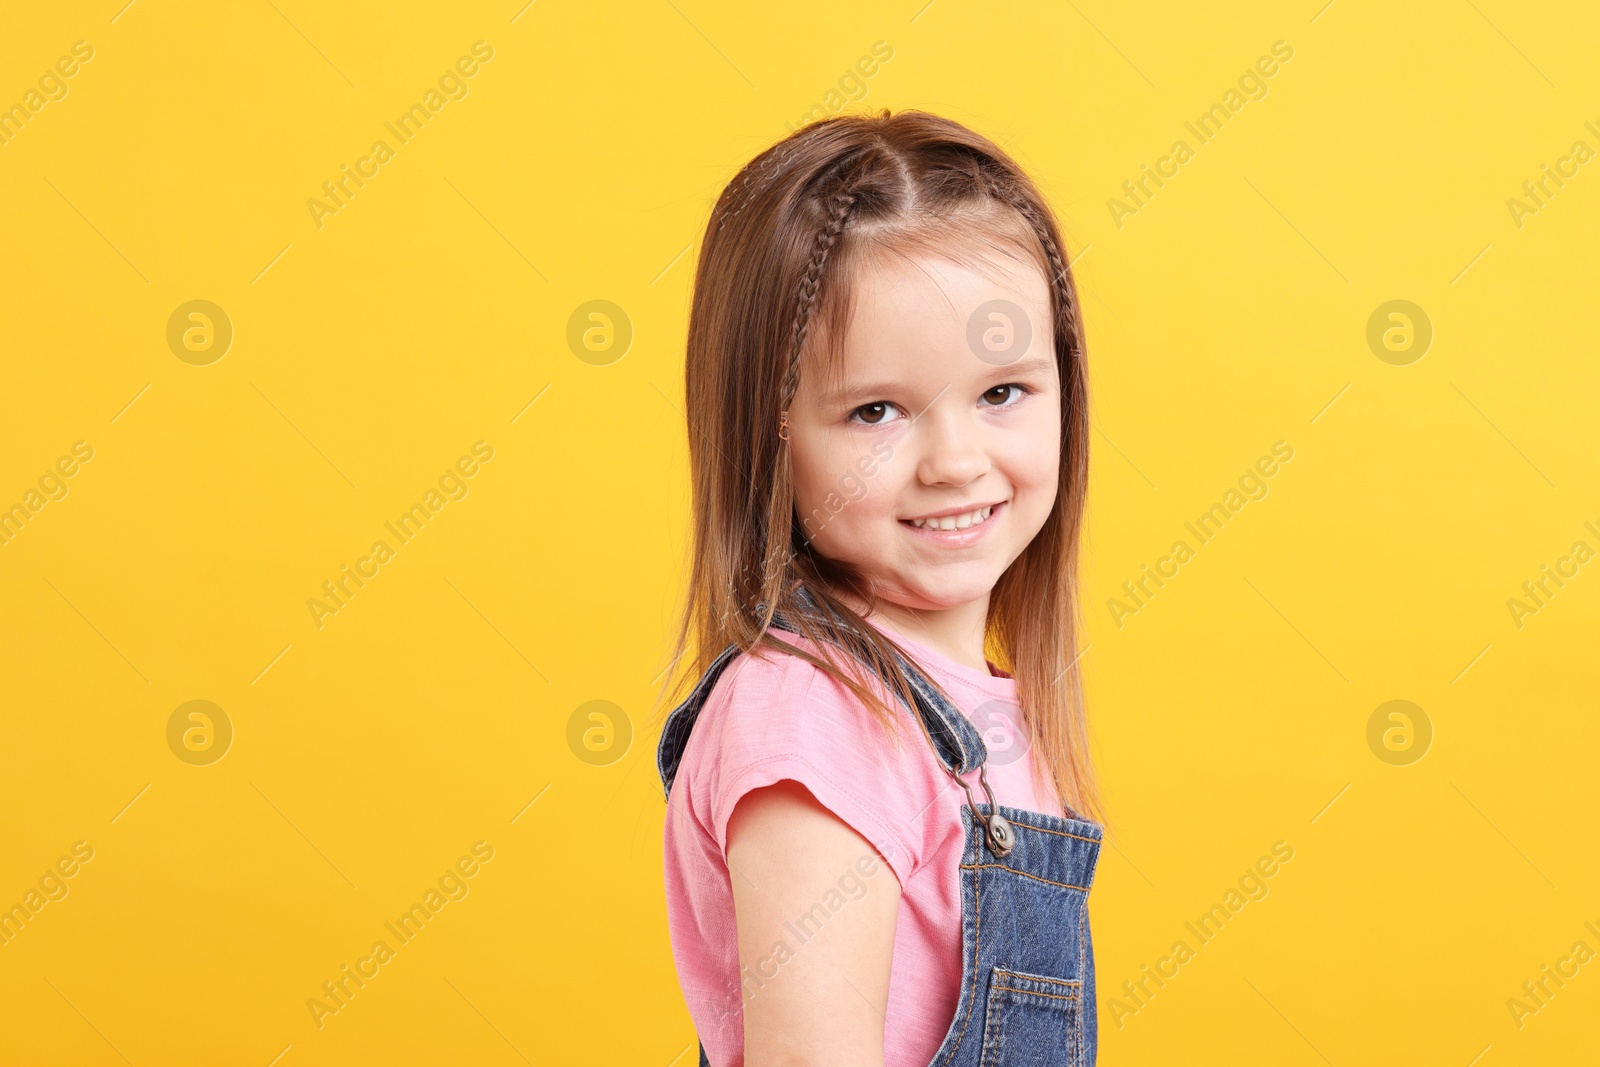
(956, 633)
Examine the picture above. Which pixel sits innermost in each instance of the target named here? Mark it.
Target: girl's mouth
(956, 530)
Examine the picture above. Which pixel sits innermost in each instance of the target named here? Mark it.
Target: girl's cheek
(1036, 452)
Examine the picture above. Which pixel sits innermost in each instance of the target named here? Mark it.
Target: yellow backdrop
(1338, 274)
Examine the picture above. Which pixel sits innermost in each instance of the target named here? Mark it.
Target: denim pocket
(1032, 1020)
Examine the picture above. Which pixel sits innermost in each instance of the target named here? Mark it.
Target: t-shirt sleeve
(783, 718)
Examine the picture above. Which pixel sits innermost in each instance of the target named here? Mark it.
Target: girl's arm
(815, 971)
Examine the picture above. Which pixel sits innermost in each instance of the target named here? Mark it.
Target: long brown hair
(781, 247)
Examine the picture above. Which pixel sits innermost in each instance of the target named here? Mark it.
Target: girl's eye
(874, 414)
(1002, 394)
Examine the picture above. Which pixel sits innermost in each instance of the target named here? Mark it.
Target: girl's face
(948, 410)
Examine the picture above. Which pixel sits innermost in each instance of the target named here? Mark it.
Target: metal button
(1004, 838)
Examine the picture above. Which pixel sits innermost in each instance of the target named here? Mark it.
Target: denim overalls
(1027, 986)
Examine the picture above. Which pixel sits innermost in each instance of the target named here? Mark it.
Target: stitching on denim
(1074, 1035)
(1038, 978)
(993, 1007)
(1032, 992)
(1047, 830)
(977, 945)
(1083, 916)
(1025, 874)
(992, 1017)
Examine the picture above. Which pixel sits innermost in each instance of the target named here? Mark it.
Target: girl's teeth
(954, 522)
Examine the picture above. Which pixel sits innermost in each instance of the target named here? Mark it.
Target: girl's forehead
(947, 280)
(929, 297)
(929, 319)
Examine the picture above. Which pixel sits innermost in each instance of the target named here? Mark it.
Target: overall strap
(956, 741)
(675, 734)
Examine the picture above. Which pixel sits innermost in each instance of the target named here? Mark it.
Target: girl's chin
(935, 593)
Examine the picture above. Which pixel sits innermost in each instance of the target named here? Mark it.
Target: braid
(839, 206)
(777, 582)
(1060, 279)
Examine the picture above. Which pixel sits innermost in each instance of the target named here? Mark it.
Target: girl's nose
(952, 448)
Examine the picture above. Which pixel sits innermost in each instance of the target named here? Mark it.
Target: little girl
(881, 841)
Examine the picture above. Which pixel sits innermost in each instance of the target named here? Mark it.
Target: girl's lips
(958, 538)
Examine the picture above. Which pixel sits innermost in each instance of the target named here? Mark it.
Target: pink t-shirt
(781, 718)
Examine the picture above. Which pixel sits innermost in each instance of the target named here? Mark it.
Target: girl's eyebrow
(1035, 364)
(857, 390)
(1022, 368)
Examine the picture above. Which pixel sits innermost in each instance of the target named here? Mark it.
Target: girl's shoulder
(777, 691)
(773, 716)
